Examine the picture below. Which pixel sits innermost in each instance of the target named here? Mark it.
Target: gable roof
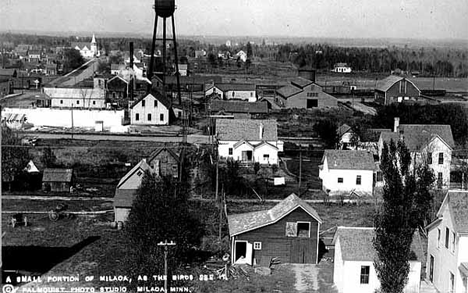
(158, 151)
(386, 83)
(418, 136)
(75, 93)
(288, 91)
(457, 202)
(239, 106)
(57, 175)
(349, 160)
(8, 72)
(157, 95)
(343, 129)
(356, 244)
(301, 82)
(241, 223)
(142, 165)
(247, 129)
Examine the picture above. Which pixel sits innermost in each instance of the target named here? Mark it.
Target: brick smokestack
(131, 82)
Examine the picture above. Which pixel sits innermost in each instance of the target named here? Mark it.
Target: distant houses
(341, 68)
(288, 231)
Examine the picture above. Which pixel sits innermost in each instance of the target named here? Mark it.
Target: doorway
(247, 156)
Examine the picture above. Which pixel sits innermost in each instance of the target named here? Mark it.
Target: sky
(408, 19)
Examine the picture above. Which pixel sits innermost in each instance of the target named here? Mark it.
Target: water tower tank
(164, 8)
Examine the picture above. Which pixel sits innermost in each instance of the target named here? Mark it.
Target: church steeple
(93, 41)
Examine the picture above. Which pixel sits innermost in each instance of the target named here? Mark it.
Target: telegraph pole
(1, 178)
(300, 169)
(166, 244)
(72, 121)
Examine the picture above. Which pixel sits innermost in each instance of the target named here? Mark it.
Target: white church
(87, 50)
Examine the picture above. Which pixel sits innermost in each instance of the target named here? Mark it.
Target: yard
(89, 246)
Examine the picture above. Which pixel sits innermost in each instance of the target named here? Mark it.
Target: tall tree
(72, 60)
(15, 156)
(160, 212)
(406, 204)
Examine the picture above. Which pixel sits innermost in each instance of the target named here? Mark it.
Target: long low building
(88, 98)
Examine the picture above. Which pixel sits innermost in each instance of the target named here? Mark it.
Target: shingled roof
(417, 136)
(457, 202)
(246, 129)
(288, 91)
(57, 175)
(301, 82)
(157, 95)
(239, 107)
(343, 129)
(242, 223)
(356, 244)
(224, 87)
(386, 83)
(349, 160)
(142, 166)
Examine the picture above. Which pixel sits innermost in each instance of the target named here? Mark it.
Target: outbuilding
(288, 231)
(57, 180)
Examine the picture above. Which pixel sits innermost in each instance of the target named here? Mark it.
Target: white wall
(121, 214)
(62, 117)
(338, 272)
(462, 249)
(257, 154)
(243, 95)
(330, 180)
(445, 261)
(436, 147)
(149, 108)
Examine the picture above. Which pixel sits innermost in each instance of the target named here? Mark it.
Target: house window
(149, 117)
(453, 241)
(447, 236)
(441, 158)
(291, 229)
(340, 179)
(77, 102)
(440, 178)
(266, 157)
(438, 237)
(137, 117)
(61, 101)
(161, 117)
(379, 176)
(429, 158)
(139, 173)
(452, 283)
(230, 151)
(143, 103)
(155, 103)
(358, 180)
(113, 95)
(257, 246)
(365, 274)
(303, 229)
(94, 102)
(312, 103)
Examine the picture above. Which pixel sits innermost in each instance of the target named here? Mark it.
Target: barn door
(302, 251)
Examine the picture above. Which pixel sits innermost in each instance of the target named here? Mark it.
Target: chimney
(261, 131)
(396, 124)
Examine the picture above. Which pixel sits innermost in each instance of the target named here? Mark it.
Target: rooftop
(241, 223)
(349, 160)
(239, 106)
(246, 129)
(57, 175)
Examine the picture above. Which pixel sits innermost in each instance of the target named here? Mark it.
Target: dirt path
(306, 277)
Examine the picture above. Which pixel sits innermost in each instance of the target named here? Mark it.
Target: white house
(342, 68)
(248, 140)
(353, 265)
(431, 142)
(347, 172)
(150, 109)
(241, 55)
(346, 136)
(447, 248)
(87, 98)
(237, 91)
(125, 191)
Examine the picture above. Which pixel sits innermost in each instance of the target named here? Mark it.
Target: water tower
(164, 9)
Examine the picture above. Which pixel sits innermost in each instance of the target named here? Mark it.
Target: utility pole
(72, 121)
(1, 178)
(300, 170)
(166, 244)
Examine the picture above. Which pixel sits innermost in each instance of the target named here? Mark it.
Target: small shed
(57, 180)
(165, 162)
(288, 231)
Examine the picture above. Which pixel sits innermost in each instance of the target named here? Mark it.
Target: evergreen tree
(406, 203)
(160, 212)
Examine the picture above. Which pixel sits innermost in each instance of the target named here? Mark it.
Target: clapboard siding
(287, 249)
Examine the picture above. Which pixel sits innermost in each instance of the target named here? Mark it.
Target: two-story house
(150, 109)
(432, 143)
(304, 94)
(248, 140)
(347, 172)
(447, 248)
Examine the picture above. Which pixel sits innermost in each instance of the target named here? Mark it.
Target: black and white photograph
(234, 146)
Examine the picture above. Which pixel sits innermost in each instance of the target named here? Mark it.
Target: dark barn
(288, 231)
(57, 180)
(395, 89)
